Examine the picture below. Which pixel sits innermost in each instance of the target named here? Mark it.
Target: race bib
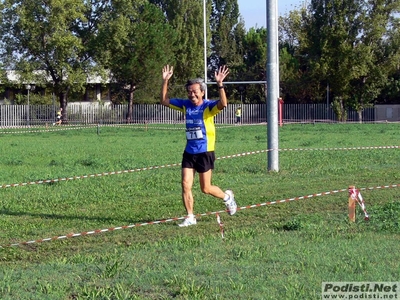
(194, 133)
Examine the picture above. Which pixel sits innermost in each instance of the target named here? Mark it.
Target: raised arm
(219, 78)
(167, 72)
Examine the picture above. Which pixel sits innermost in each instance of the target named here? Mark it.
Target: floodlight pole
(205, 43)
(272, 85)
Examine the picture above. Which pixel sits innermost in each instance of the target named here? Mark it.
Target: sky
(254, 11)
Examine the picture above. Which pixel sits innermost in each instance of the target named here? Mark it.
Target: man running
(199, 155)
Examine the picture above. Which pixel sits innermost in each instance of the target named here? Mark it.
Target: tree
(332, 28)
(223, 22)
(255, 58)
(391, 91)
(296, 81)
(186, 18)
(136, 42)
(346, 46)
(376, 53)
(227, 38)
(49, 36)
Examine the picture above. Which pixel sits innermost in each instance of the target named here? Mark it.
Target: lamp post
(28, 87)
(241, 89)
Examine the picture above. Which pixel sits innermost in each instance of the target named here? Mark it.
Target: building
(14, 90)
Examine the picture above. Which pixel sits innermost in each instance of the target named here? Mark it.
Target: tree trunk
(361, 105)
(342, 118)
(63, 96)
(129, 118)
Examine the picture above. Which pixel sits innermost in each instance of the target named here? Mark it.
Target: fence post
(352, 204)
(280, 111)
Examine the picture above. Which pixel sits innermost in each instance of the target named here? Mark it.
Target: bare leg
(187, 183)
(207, 187)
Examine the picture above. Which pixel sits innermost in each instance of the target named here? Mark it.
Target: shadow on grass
(81, 218)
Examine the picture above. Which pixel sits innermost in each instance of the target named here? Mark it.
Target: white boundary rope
(47, 129)
(85, 233)
(151, 126)
(178, 164)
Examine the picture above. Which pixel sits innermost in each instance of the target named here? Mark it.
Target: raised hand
(221, 73)
(167, 72)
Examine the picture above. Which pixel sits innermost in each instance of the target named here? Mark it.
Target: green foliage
(226, 32)
(255, 63)
(297, 82)
(279, 251)
(332, 31)
(186, 17)
(339, 109)
(387, 217)
(34, 99)
(135, 41)
(349, 45)
(48, 41)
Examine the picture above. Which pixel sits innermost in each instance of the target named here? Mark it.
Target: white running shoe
(230, 203)
(188, 222)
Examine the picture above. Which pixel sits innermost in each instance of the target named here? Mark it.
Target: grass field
(279, 251)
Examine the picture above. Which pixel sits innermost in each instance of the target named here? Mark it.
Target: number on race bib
(194, 133)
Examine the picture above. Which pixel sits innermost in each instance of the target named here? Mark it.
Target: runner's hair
(200, 81)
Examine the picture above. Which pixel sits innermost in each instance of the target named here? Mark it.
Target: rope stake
(355, 196)
(221, 225)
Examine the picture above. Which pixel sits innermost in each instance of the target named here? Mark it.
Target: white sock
(226, 197)
(191, 216)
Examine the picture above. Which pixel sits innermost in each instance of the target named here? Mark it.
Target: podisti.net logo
(360, 290)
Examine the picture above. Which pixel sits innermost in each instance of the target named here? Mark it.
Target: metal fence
(94, 113)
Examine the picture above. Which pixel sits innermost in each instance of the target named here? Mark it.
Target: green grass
(280, 251)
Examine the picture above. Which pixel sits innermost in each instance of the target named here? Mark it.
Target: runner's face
(195, 94)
